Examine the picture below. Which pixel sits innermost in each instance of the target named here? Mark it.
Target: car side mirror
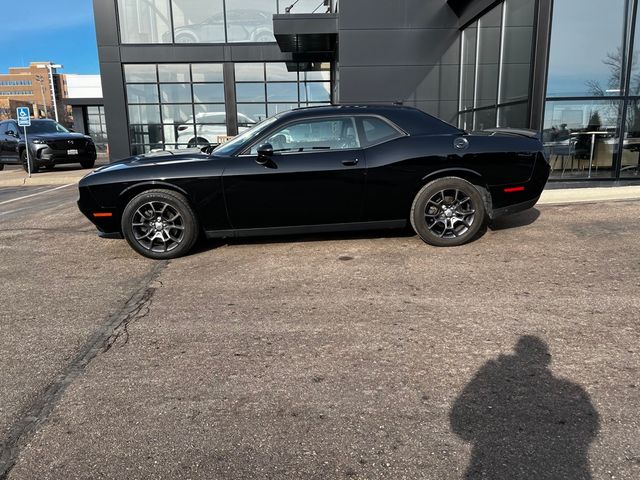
(265, 152)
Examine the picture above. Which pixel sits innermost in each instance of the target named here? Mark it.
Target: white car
(209, 126)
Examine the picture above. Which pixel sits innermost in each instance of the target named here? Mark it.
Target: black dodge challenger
(319, 169)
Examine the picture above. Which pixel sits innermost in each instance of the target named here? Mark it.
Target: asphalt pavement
(362, 356)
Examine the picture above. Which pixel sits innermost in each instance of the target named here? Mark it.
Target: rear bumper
(515, 208)
(513, 198)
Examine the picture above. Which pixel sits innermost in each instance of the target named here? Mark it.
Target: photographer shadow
(523, 422)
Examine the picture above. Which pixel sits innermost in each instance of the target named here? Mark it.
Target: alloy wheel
(450, 213)
(158, 226)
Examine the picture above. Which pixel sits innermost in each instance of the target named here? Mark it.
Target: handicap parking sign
(24, 117)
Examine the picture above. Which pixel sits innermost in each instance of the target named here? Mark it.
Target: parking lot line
(35, 194)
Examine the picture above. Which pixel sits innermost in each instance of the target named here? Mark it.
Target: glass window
(251, 92)
(468, 66)
(204, 108)
(332, 134)
(177, 114)
(189, 26)
(275, 108)
(278, 72)
(249, 72)
(484, 119)
(581, 136)
(324, 74)
(376, 131)
(144, 114)
(488, 57)
(315, 92)
(208, 92)
(207, 72)
(514, 116)
(178, 72)
(256, 112)
(516, 50)
(175, 93)
(630, 164)
(140, 73)
(212, 117)
(144, 21)
(142, 93)
(586, 46)
(250, 20)
(282, 92)
(149, 134)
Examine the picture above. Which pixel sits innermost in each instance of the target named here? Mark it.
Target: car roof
(410, 119)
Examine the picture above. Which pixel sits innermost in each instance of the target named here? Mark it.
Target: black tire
(178, 228)
(35, 168)
(448, 212)
(198, 142)
(1, 166)
(49, 168)
(88, 163)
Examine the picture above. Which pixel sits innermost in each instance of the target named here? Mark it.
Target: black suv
(49, 144)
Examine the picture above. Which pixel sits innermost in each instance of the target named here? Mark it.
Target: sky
(58, 30)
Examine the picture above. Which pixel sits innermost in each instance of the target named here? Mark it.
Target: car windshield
(245, 137)
(45, 126)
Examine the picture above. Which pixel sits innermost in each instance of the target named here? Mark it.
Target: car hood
(52, 137)
(156, 158)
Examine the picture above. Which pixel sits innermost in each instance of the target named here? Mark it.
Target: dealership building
(179, 73)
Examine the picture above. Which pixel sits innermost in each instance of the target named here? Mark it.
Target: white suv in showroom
(209, 126)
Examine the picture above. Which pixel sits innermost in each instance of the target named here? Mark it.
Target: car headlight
(38, 141)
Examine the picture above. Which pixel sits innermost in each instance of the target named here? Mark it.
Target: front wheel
(23, 158)
(160, 224)
(448, 212)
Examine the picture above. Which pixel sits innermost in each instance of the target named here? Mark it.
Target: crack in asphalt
(116, 325)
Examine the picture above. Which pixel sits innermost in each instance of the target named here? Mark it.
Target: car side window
(375, 130)
(313, 135)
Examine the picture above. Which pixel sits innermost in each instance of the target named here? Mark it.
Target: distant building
(84, 97)
(31, 86)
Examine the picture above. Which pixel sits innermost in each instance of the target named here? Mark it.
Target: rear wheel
(160, 224)
(198, 142)
(1, 166)
(88, 163)
(23, 158)
(448, 212)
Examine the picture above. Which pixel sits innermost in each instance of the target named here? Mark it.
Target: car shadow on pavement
(305, 237)
(520, 219)
(522, 422)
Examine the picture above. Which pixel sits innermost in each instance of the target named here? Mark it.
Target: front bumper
(46, 155)
(106, 220)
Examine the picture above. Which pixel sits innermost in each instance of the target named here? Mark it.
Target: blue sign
(24, 117)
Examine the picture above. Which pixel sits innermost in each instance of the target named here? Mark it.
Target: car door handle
(350, 163)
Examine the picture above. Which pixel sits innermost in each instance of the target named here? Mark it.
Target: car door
(3, 129)
(11, 143)
(315, 176)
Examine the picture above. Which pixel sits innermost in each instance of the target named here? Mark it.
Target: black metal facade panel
(400, 47)
(303, 24)
(106, 20)
(115, 109)
(403, 51)
(84, 101)
(392, 14)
